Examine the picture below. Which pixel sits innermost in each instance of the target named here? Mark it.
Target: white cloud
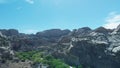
(30, 1)
(112, 21)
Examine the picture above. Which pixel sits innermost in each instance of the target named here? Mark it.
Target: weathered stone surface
(99, 48)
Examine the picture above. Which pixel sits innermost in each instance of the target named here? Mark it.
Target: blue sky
(30, 16)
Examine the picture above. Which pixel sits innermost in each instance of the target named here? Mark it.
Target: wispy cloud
(112, 21)
(30, 1)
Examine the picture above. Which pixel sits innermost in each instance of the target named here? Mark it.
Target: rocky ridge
(99, 48)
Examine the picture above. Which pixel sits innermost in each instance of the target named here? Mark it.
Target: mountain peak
(101, 30)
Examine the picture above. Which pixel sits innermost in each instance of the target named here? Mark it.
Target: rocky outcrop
(103, 30)
(40, 40)
(117, 30)
(5, 50)
(80, 31)
(9, 32)
(99, 48)
(52, 34)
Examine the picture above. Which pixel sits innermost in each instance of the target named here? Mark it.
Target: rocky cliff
(99, 48)
(6, 54)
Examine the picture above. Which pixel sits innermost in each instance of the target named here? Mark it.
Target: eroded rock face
(103, 30)
(117, 30)
(9, 32)
(80, 31)
(5, 49)
(53, 33)
(99, 48)
(41, 40)
(95, 53)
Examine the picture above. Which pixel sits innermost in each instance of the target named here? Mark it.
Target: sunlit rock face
(99, 48)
